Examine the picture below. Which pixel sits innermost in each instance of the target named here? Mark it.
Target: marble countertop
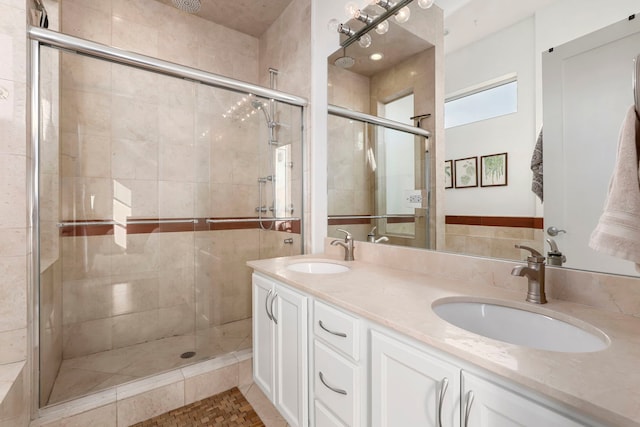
(604, 385)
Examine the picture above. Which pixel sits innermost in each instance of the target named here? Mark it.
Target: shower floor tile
(99, 371)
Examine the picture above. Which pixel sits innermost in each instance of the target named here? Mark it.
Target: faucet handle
(535, 255)
(347, 236)
(373, 230)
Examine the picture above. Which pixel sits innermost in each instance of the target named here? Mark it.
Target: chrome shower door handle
(338, 334)
(333, 389)
(273, 316)
(266, 304)
(554, 231)
(443, 390)
(467, 408)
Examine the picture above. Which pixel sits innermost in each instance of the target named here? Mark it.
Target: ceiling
(251, 17)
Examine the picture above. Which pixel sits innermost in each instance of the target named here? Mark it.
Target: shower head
(344, 61)
(190, 6)
(259, 105)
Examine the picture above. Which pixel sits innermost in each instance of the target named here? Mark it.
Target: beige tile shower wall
(350, 177)
(415, 75)
(50, 328)
(223, 277)
(122, 292)
(494, 242)
(135, 131)
(286, 46)
(14, 226)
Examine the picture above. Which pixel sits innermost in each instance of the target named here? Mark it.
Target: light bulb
(403, 15)
(351, 8)
(365, 41)
(425, 4)
(333, 24)
(382, 27)
(376, 56)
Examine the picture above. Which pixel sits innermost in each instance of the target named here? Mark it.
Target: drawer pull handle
(467, 408)
(335, 390)
(443, 391)
(338, 334)
(266, 304)
(273, 316)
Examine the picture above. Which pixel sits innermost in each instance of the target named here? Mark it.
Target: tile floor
(82, 375)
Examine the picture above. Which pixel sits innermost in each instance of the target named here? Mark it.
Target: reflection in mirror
(483, 50)
(378, 176)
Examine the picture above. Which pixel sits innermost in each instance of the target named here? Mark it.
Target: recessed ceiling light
(376, 56)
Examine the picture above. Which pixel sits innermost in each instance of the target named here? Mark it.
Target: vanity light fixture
(399, 10)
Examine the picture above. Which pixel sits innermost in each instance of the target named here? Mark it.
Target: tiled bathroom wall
(489, 241)
(14, 225)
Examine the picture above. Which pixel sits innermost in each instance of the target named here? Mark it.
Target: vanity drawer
(324, 417)
(336, 383)
(337, 329)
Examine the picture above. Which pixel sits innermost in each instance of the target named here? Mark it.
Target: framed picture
(493, 170)
(448, 174)
(466, 172)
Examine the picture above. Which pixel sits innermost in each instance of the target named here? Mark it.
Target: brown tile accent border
(227, 409)
(157, 225)
(497, 221)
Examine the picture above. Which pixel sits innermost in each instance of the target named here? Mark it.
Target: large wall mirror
(468, 188)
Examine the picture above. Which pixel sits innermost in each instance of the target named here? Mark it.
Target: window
(490, 101)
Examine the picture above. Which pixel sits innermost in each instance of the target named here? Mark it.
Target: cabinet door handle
(335, 390)
(273, 316)
(338, 334)
(443, 390)
(266, 304)
(467, 408)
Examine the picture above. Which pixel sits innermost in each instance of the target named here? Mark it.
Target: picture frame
(448, 174)
(494, 170)
(466, 172)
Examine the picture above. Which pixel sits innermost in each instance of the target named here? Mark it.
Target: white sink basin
(318, 267)
(521, 327)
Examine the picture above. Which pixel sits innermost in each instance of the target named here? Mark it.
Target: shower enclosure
(380, 180)
(154, 184)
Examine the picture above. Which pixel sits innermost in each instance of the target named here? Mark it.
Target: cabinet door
(486, 404)
(410, 387)
(263, 336)
(290, 319)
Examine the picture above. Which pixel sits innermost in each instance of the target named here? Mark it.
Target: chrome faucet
(371, 237)
(554, 256)
(347, 245)
(534, 272)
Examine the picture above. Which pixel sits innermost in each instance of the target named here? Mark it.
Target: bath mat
(227, 409)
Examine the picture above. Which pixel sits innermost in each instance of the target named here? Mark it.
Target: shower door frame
(40, 37)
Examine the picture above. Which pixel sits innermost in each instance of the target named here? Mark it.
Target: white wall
(506, 52)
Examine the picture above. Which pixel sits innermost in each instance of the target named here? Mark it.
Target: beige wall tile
(13, 345)
(134, 328)
(87, 23)
(150, 404)
(13, 285)
(13, 200)
(13, 44)
(134, 120)
(205, 385)
(132, 293)
(13, 108)
(135, 37)
(85, 74)
(86, 112)
(89, 337)
(176, 320)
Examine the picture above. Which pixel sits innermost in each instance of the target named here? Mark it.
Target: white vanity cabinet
(410, 387)
(486, 404)
(280, 356)
(338, 375)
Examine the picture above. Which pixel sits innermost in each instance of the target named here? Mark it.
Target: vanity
(359, 344)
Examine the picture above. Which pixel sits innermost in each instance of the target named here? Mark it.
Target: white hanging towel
(618, 231)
